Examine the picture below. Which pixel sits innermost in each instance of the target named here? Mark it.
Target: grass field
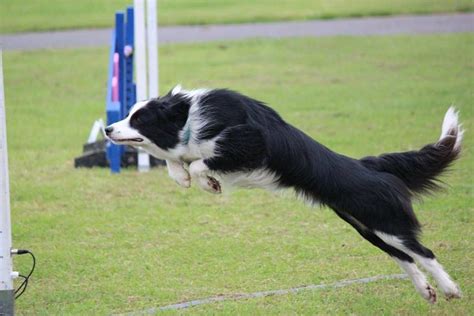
(116, 243)
(36, 15)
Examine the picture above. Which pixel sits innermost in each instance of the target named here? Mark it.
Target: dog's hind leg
(405, 261)
(444, 281)
(418, 279)
(427, 260)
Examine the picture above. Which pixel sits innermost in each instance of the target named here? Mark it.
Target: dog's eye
(138, 120)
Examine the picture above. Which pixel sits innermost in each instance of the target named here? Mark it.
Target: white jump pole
(140, 50)
(7, 295)
(152, 46)
(141, 69)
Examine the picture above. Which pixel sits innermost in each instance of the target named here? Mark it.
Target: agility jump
(133, 52)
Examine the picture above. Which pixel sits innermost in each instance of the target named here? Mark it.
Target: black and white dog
(220, 137)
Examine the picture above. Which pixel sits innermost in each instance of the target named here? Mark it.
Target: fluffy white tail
(451, 127)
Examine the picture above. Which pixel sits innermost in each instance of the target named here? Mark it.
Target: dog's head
(155, 122)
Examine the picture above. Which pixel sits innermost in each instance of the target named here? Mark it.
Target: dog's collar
(186, 133)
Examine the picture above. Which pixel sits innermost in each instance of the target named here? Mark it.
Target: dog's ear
(178, 112)
(177, 89)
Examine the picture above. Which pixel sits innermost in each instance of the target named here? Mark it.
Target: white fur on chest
(202, 150)
(196, 149)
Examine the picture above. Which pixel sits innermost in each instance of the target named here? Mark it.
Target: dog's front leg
(200, 173)
(177, 172)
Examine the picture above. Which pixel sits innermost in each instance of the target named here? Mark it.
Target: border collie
(220, 137)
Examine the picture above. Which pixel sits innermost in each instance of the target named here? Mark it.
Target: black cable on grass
(22, 288)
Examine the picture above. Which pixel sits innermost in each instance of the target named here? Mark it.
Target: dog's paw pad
(430, 294)
(214, 185)
(453, 295)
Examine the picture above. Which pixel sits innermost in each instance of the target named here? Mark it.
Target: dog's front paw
(182, 178)
(209, 184)
(178, 173)
(184, 182)
(213, 185)
(199, 171)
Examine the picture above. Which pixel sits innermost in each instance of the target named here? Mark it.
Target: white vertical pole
(6, 280)
(152, 46)
(140, 50)
(141, 68)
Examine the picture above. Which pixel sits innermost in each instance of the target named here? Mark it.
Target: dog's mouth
(125, 140)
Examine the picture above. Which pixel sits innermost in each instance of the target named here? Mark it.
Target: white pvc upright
(140, 49)
(152, 46)
(141, 68)
(6, 280)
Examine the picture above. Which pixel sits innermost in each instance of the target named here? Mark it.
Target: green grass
(115, 243)
(38, 15)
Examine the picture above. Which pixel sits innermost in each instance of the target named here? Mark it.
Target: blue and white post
(7, 294)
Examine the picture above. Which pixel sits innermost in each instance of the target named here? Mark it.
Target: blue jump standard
(122, 36)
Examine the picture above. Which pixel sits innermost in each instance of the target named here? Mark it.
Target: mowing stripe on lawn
(233, 297)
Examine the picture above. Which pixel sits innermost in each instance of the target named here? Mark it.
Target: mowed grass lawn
(115, 243)
(37, 15)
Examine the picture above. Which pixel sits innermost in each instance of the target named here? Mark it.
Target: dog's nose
(108, 130)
